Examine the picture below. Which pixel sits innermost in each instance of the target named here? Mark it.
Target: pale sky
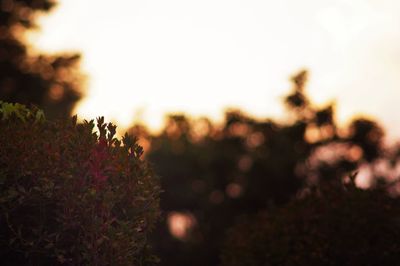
(151, 57)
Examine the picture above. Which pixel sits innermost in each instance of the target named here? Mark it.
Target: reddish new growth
(96, 164)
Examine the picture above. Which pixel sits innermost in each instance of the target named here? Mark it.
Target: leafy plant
(71, 196)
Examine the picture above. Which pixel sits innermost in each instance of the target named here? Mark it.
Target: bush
(70, 196)
(341, 226)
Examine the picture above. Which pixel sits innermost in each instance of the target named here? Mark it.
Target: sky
(147, 58)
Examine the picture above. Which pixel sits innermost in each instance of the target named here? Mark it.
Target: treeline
(215, 175)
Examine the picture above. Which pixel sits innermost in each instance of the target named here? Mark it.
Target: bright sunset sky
(145, 58)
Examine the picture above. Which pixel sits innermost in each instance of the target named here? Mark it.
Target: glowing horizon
(145, 59)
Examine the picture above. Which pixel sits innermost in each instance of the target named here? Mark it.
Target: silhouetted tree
(213, 174)
(51, 82)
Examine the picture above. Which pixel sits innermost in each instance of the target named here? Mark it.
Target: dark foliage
(69, 196)
(216, 173)
(50, 82)
(334, 225)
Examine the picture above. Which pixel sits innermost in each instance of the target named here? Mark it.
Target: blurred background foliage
(213, 174)
(335, 225)
(51, 82)
(237, 173)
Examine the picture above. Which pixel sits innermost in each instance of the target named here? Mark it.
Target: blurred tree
(212, 174)
(335, 225)
(51, 82)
